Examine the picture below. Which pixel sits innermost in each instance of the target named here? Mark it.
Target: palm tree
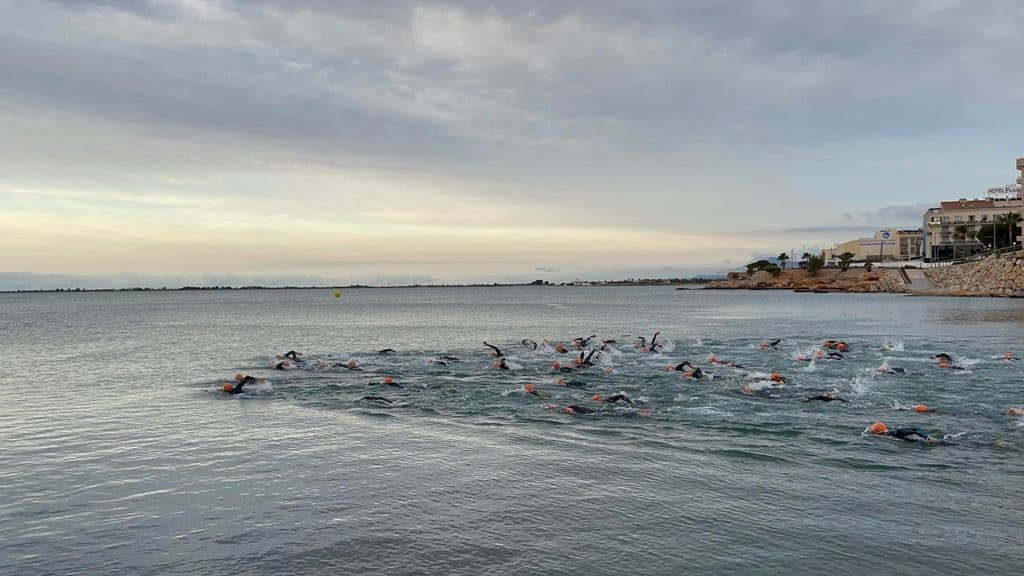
(782, 257)
(1012, 221)
(844, 260)
(972, 236)
(959, 233)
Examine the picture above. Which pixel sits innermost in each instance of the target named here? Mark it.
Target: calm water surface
(120, 455)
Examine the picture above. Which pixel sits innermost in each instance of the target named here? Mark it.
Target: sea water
(120, 454)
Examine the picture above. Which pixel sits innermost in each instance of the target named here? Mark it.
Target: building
(886, 244)
(941, 241)
(1020, 186)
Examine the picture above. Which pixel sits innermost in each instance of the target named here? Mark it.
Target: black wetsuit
(378, 399)
(531, 343)
(495, 348)
(579, 410)
(386, 351)
(835, 356)
(502, 364)
(774, 343)
(575, 384)
(237, 388)
(823, 398)
(696, 373)
(291, 355)
(566, 370)
(618, 398)
(912, 435)
(943, 356)
(654, 342)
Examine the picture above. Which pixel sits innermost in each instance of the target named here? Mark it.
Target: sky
(169, 142)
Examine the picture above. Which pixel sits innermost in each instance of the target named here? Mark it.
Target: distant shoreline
(577, 284)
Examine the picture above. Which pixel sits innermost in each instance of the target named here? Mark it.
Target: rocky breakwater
(827, 280)
(993, 276)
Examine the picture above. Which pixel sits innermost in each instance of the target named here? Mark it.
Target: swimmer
(695, 372)
(715, 360)
(386, 351)
(774, 344)
(292, 355)
(886, 369)
(582, 362)
(283, 364)
(832, 396)
(614, 399)
(501, 364)
(240, 381)
(570, 383)
(946, 362)
(530, 343)
(572, 409)
(496, 352)
(556, 365)
(582, 342)
(561, 349)
(835, 356)
(388, 381)
(1008, 357)
(1014, 411)
(436, 362)
(531, 389)
(376, 399)
(905, 433)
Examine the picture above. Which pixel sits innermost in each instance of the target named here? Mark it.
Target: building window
(957, 219)
(970, 218)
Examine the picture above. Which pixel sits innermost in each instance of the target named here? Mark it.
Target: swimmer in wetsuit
(386, 351)
(496, 352)
(376, 399)
(240, 381)
(774, 344)
(388, 381)
(695, 372)
(573, 409)
(946, 361)
(556, 365)
(571, 383)
(832, 396)
(501, 364)
(835, 356)
(292, 355)
(614, 399)
(905, 433)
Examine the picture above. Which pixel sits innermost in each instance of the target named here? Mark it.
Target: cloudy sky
(485, 141)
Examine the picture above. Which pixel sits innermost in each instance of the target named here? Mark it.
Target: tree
(867, 266)
(782, 257)
(773, 269)
(814, 264)
(1012, 221)
(844, 260)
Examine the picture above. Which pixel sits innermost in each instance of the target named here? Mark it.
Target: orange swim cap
(879, 428)
(713, 359)
(943, 364)
(556, 365)
(841, 346)
(239, 377)
(229, 387)
(597, 398)
(389, 380)
(776, 377)
(921, 408)
(497, 364)
(529, 388)
(352, 364)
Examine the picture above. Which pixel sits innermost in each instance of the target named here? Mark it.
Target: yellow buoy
(337, 293)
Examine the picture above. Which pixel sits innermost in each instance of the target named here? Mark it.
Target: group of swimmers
(589, 352)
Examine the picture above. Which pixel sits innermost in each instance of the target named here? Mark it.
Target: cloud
(678, 126)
